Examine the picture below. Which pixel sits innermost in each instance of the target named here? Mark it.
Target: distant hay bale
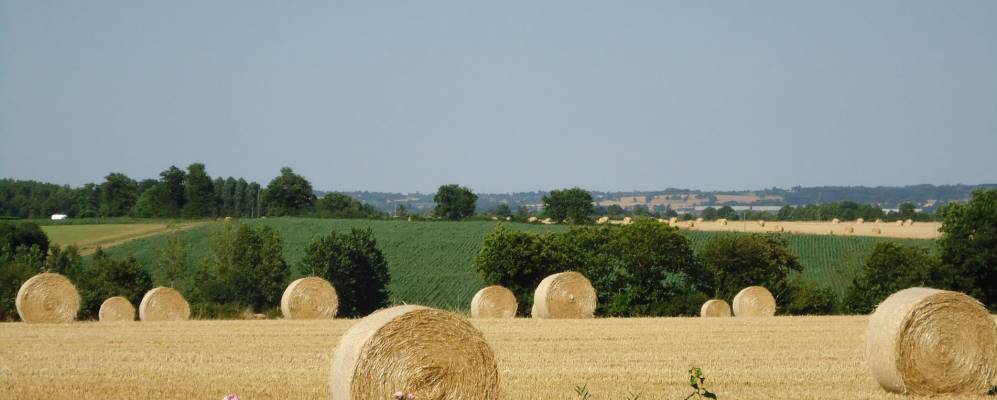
(602, 220)
(715, 308)
(754, 301)
(531, 219)
(673, 221)
(780, 229)
(163, 304)
(494, 302)
(900, 223)
(761, 223)
(47, 298)
(699, 220)
(849, 230)
(909, 222)
(564, 295)
(722, 221)
(309, 298)
(878, 221)
(430, 353)
(835, 221)
(860, 221)
(877, 231)
(925, 341)
(627, 220)
(116, 309)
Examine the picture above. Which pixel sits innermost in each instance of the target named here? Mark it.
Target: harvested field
(780, 357)
(88, 237)
(919, 230)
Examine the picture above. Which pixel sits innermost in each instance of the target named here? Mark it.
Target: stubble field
(772, 358)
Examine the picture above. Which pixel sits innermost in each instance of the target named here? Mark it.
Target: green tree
(200, 201)
(289, 194)
(149, 204)
(173, 192)
(118, 194)
(518, 261)
(355, 266)
(174, 258)
(890, 267)
(727, 212)
(401, 211)
(739, 261)
(615, 210)
(969, 246)
(709, 214)
(338, 205)
(24, 234)
(906, 211)
(108, 277)
(569, 205)
(248, 267)
(455, 202)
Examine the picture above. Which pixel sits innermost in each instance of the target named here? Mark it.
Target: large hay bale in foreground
(715, 308)
(47, 298)
(163, 304)
(926, 341)
(309, 298)
(754, 301)
(431, 353)
(564, 295)
(116, 309)
(494, 302)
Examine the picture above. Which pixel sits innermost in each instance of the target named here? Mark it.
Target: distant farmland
(431, 262)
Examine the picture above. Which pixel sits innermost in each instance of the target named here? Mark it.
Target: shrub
(247, 267)
(108, 277)
(969, 247)
(890, 268)
(26, 234)
(806, 298)
(355, 266)
(739, 261)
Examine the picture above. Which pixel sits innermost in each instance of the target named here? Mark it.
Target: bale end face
(163, 304)
(116, 309)
(754, 301)
(494, 302)
(564, 295)
(47, 298)
(925, 341)
(431, 353)
(309, 298)
(715, 308)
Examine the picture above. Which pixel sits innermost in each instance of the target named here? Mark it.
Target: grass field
(431, 262)
(88, 237)
(765, 358)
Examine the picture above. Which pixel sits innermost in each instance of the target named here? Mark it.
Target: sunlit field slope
(431, 262)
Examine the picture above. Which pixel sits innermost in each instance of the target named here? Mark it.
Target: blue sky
(517, 96)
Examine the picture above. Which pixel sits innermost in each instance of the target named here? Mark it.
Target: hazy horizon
(511, 97)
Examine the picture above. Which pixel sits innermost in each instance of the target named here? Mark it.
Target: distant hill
(927, 197)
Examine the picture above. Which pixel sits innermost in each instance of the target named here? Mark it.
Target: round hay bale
(47, 298)
(860, 221)
(494, 302)
(849, 230)
(835, 221)
(430, 353)
(754, 301)
(627, 220)
(877, 231)
(878, 221)
(900, 223)
(309, 298)
(116, 309)
(925, 341)
(715, 308)
(699, 220)
(163, 304)
(602, 220)
(909, 222)
(673, 221)
(564, 295)
(722, 221)
(761, 223)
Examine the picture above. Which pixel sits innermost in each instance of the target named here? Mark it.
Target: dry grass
(920, 230)
(781, 357)
(88, 237)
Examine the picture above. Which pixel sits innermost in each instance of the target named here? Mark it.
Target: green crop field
(431, 262)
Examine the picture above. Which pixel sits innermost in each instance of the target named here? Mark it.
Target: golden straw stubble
(926, 341)
(116, 309)
(163, 304)
(715, 308)
(309, 298)
(564, 295)
(494, 302)
(754, 301)
(47, 298)
(431, 353)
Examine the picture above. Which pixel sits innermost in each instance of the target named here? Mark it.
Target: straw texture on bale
(715, 308)
(116, 309)
(430, 353)
(754, 301)
(309, 298)
(47, 298)
(925, 341)
(163, 304)
(564, 295)
(494, 302)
